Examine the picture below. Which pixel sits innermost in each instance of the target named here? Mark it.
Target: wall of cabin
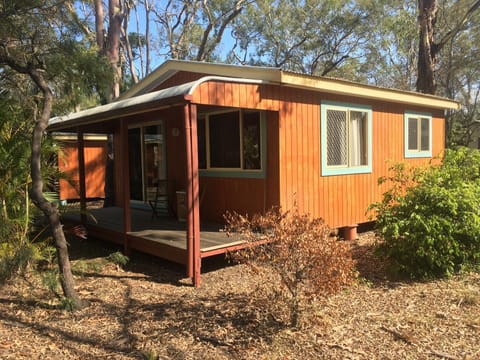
(341, 200)
(293, 173)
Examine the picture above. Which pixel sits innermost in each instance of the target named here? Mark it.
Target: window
(346, 139)
(418, 135)
(230, 141)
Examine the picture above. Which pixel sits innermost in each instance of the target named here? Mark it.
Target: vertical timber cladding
(95, 154)
(342, 199)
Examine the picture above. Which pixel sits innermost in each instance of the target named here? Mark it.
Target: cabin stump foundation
(349, 232)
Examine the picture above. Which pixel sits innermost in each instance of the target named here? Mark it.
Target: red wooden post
(195, 197)
(193, 213)
(81, 176)
(127, 221)
(189, 203)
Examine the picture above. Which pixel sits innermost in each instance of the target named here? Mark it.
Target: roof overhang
(292, 79)
(171, 67)
(350, 88)
(139, 100)
(132, 106)
(156, 100)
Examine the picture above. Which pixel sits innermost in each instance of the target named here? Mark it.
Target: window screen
(336, 137)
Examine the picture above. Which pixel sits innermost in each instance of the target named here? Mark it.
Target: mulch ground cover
(149, 310)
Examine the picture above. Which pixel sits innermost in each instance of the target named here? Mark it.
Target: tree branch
(449, 35)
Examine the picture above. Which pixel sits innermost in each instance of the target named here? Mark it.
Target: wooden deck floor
(162, 230)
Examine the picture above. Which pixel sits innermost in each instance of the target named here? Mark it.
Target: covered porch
(154, 136)
(168, 111)
(163, 236)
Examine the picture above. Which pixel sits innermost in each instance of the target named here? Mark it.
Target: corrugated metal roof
(134, 105)
(137, 101)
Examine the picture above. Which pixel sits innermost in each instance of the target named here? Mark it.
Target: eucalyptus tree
(192, 29)
(458, 77)
(39, 45)
(311, 36)
(434, 34)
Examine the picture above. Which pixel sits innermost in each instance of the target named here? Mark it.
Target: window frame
(239, 172)
(413, 153)
(329, 170)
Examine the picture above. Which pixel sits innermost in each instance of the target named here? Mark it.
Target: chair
(160, 204)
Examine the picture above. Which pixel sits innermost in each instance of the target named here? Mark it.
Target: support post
(124, 165)
(193, 213)
(196, 198)
(81, 176)
(350, 232)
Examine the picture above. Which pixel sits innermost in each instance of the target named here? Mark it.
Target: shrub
(299, 250)
(430, 218)
(118, 259)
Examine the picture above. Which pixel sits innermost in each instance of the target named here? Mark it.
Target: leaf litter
(149, 310)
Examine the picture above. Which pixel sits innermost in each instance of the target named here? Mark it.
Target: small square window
(418, 135)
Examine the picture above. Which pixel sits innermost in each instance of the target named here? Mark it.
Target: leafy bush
(299, 250)
(118, 259)
(430, 218)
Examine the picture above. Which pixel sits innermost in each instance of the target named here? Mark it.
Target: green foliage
(298, 250)
(82, 267)
(50, 281)
(430, 218)
(68, 304)
(118, 259)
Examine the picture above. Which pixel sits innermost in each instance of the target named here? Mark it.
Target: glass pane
(358, 138)
(154, 158)
(135, 164)
(202, 144)
(224, 131)
(425, 138)
(336, 137)
(412, 134)
(251, 140)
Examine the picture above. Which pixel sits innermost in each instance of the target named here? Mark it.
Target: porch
(164, 236)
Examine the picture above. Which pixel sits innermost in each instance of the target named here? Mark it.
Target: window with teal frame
(346, 138)
(417, 135)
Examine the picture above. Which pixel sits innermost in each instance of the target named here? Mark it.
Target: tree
(431, 39)
(313, 37)
(39, 44)
(193, 30)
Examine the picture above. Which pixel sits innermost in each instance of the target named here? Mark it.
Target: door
(147, 160)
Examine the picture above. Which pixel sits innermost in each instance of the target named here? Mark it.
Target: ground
(149, 310)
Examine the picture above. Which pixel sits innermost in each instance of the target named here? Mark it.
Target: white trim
(417, 153)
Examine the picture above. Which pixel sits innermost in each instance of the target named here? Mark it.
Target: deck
(164, 236)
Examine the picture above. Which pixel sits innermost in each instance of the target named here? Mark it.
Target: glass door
(135, 164)
(154, 158)
(147, 161)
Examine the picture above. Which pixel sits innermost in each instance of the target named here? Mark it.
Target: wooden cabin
(244, 139)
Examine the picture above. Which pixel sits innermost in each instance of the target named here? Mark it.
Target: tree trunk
(115, 16)
(427, 49)
(99, 26)
(50, 211)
